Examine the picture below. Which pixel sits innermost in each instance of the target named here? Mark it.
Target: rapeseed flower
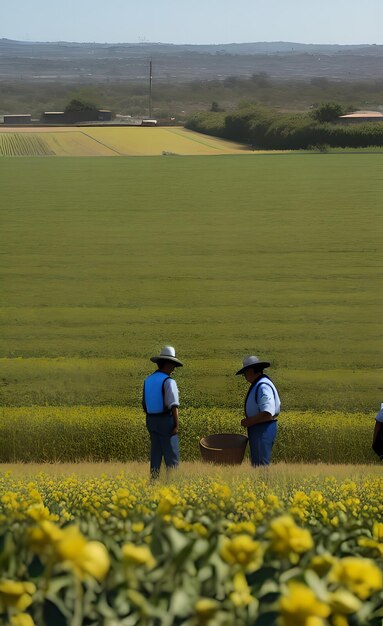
(43, 537)
(360, 576)
(138, 555)
(322, 563)
(288, 539)
(241, 596)
(15, 595)
(168, 499)
(299, 606)
(205, 609)
(377, 532)
(86, 558)
(243, 551)
(21, 619)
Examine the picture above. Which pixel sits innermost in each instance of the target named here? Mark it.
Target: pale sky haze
(194, 21)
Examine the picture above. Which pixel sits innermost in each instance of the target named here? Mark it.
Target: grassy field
(111, 141)
(105, 260)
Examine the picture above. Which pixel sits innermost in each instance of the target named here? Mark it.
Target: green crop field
(103, 261)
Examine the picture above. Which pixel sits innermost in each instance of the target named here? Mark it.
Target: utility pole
(150, 89)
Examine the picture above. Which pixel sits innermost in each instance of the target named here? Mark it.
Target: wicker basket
(226, 448)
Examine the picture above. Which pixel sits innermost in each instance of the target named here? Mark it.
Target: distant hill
(69, 62)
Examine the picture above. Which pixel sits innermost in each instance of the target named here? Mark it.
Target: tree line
(263, 128)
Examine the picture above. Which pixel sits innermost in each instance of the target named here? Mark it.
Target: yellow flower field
(102, 545)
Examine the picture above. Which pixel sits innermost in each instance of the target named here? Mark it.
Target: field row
(204, 382)
(78, 433)
(265, 548)
(17, 144)
(109, 259)
(114, 141)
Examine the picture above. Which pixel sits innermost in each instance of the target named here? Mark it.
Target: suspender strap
(163, 392)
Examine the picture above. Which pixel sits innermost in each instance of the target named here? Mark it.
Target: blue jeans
(162, 442)
(261, 440)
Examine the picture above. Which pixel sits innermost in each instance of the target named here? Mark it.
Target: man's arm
(259, 418)
(176, 423)
(172, 401)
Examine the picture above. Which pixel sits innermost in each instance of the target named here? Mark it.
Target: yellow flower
(322, 563)
(44, 536)
(377, 541)
(138, 555)
(241, 596)
(70, 544)
(361, 576)
(205, 609)
(344, 602)
(87, 558)
(93, 560)
(17, 595)
(287, 539)
(300, 607)
(168, 499)
(200, 529)
(244, 551)
(22, 619)
(221, 489)
(39, 512)
(137, 527)
(377, 532)
(242, 527)
(339, 620)
(366, 542)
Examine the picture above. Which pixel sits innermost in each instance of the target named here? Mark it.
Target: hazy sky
(194, 21)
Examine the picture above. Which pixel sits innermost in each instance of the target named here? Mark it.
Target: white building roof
(361, 114)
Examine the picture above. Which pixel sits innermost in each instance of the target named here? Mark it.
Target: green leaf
(267, 619)
(181, 604)
(316, 584)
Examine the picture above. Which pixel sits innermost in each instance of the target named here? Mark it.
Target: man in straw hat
(262, 405)
(160, 402)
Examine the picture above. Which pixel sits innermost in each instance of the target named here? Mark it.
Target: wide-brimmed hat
(251, 361)
(167, 354)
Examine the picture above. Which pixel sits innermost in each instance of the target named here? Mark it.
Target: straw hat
(167, 354)
(251, 361)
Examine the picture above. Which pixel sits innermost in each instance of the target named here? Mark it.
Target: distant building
(149, 123)
(74, 117)
(362, 116)
(53, 117)
(104, 115)
(14, 120)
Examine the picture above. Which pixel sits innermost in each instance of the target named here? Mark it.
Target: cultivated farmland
(105, 260)
(20, 144)
(112, 141)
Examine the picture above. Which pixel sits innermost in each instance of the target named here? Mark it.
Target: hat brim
(260, 365)
(173, 359)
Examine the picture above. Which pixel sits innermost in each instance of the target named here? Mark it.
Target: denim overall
(160, 423)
